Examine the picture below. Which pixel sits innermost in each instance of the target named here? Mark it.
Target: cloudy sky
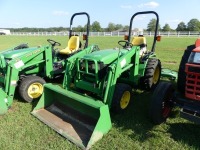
(56, 13)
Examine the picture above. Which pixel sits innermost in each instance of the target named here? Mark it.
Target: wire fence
(169, 34)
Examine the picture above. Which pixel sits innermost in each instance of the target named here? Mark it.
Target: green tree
(126, 28)
(193, 25)
(118, 26)
(166, 27)
(79, 28)
(152, 25)
(111, 27)
(96, 27)
(181, 27)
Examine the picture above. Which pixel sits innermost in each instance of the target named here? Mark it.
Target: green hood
(105, 56)
(10, 54)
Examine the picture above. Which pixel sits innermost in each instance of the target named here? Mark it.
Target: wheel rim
(165, 109)
(156, 75)
(35, 90)
(125, 99)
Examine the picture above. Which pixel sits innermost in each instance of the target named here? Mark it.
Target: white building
(4, 32)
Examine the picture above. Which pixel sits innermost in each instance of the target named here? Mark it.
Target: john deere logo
(34, 52)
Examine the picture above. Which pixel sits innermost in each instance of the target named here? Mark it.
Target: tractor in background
(96, 83)
(27, 68)
(187, 98)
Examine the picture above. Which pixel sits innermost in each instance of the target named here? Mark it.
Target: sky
(57, 13)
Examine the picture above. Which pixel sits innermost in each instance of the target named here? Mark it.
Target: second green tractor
(25, 69)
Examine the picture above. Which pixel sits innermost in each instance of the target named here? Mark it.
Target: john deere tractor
(187, 96)
(96, 82)
(27, 68)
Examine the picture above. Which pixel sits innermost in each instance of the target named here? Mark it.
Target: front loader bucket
(80, 119)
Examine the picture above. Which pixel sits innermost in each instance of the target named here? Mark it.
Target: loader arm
(99, 75)
(130, 60)
(36, 59)
(2, 62)
(71, 65)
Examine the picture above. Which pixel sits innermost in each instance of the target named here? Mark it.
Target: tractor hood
(105, 56)
(17, 53)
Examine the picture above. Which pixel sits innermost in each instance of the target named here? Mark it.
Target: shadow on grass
(57, 81)
(188, 133)
(19, 99)
(135, 117)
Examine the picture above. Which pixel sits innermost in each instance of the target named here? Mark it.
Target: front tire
(161, 102)
(121, 97)
(152, 74)
(31, 88)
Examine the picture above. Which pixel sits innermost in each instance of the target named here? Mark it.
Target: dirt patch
(169, 62)
(179, 49)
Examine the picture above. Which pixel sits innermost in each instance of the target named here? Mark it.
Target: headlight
(194, 58)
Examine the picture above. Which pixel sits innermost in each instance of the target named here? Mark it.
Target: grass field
(19, 130)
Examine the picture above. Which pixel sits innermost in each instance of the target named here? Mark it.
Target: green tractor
(96, 82)
(27, 68)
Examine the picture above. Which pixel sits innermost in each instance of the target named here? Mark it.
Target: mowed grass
(132, 129)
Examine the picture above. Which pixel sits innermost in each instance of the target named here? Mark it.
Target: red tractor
(187, 98)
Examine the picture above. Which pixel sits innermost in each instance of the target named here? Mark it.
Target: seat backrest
(139, 41)
(73, 43)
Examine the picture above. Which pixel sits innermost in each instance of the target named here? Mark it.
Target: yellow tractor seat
(72, 46)
(140, 41)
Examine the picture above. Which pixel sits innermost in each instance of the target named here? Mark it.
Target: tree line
(192, 25)
(94, 27)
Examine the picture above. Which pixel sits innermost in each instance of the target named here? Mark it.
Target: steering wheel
(53, 43)
(125, 44)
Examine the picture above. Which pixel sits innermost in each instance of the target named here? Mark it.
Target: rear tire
(121, 97)
(161, 102)
(152, 74)
(31, 88)
(181, 72)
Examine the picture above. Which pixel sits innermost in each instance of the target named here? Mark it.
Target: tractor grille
(192, 89)
(194, 69)
(91, 68)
